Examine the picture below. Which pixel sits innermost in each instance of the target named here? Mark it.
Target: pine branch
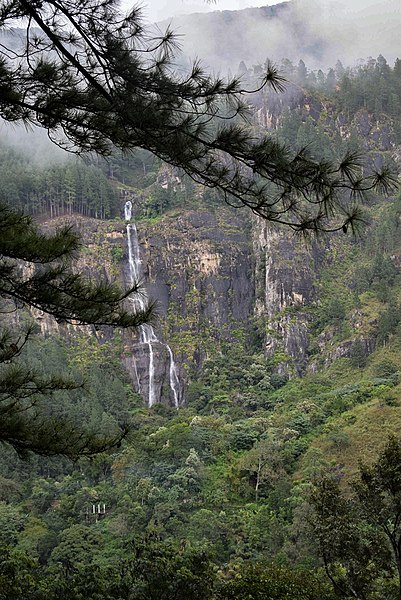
(112, 85)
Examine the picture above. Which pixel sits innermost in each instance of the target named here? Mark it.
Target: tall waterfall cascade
(147, 335)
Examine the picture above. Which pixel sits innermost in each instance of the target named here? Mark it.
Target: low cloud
(318, 31)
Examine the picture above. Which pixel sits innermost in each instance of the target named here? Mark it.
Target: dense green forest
(263, 486)
(56, 190)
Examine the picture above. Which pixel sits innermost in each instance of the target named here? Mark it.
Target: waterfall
(128, 210)
(146, 332)
(174, 381)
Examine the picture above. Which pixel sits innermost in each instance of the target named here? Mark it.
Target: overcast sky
(348, 30)
(157, 10)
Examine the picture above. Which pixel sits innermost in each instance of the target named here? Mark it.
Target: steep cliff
(286, 270)
(213, 270)
(197, 267)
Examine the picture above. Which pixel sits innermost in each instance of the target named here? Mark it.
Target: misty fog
(318, 31)
(33, 142)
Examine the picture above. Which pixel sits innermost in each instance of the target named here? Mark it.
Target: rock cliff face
(99, 257)
(210, 271)
(198, 268)
(285, 272)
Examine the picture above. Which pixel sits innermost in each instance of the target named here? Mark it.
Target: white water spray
(147, 333)
(174, 381)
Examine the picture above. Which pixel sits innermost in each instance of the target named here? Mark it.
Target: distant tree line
(372, 85)
(55, 190)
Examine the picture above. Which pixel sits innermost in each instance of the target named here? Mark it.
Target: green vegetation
(62, 189)
(358, 532)
(255, 489)
(216, 496)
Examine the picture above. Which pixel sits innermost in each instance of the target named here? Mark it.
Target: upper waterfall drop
(148, 336)
(128, 210)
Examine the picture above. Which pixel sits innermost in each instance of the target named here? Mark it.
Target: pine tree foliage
(35, 271)
(96, 80)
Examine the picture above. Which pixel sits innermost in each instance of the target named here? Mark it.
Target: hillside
(288, 358)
